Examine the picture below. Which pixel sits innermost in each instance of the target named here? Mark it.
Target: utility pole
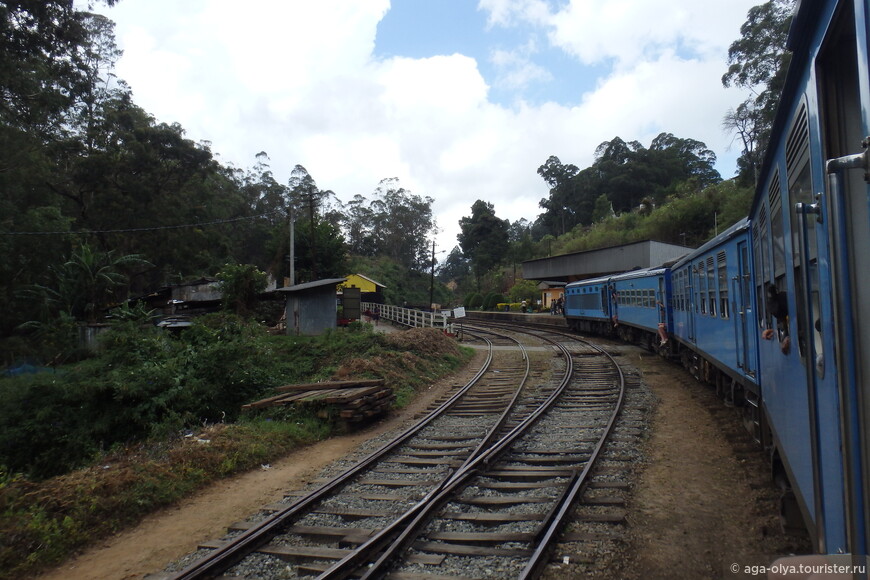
(292, 247)
(432, 280)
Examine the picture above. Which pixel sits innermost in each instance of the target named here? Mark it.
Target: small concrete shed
(311, 308)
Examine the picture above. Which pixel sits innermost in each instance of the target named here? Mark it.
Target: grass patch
(45, 519)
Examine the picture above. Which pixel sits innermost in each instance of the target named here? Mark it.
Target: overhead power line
(133, 230)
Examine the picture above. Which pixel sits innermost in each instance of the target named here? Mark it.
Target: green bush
(473, 300)
(146, 381)
(491, 301)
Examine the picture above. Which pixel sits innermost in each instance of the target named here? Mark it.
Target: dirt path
(704, 501)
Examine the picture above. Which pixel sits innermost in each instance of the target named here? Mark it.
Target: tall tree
(758, 62)
(455, 267)
(402, 224)
(359, 227)
(309, 198)
(561, 205)
(483, 238)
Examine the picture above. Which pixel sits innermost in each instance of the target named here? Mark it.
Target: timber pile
(352, 401)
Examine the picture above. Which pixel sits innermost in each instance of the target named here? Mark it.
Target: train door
(845, 232)
(741, 288)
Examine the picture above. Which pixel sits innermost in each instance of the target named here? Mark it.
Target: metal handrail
(410, 317)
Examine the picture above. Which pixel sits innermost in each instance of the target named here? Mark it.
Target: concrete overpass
(593, 263)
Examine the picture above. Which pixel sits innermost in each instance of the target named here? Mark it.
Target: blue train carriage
(639, 306)
(811, 242)
(588, 307)
(713, 324)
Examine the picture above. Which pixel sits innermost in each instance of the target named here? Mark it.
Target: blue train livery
(775, 311)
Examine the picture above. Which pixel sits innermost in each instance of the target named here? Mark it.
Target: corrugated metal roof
(315, 284)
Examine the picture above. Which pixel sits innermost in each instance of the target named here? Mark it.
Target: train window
(677, 291)
(702, 286)
(777, 237)
(761, 243)
(722, 267)
(683, 291)
(687, 290)
(711, 284)
(800, 188)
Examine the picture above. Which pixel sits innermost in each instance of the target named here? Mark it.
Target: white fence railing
(409, 316)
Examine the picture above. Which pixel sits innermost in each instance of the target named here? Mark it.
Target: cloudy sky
(459, 99)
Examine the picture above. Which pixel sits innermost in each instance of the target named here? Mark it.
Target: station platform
(535, 317)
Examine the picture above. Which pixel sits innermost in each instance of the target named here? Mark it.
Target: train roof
(738, 228)
(641, 273)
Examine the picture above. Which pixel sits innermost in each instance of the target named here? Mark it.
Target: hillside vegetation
(94, 446)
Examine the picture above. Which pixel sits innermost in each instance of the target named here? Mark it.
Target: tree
(240, 284)
(758, 62)
(85, 285)
(455, 267)
(625, 173)
(561, 207)
(603, 209)
(483, 238)
(40, 66)
(359, 227)
(395, 223)
(401, 225)
(330, 258)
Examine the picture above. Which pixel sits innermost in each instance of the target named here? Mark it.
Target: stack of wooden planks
(352, 401)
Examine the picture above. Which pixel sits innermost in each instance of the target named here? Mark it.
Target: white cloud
(300, 81)
(624, 31)
(516, 69)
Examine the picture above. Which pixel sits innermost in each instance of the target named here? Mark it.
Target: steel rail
(396, 537)
(221, 559)
(559, 514)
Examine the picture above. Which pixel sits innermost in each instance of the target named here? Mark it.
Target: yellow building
(366, 285)
(551, 291)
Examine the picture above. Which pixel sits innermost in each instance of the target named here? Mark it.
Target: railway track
(482, 483)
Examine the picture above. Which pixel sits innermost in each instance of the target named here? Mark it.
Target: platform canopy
(593, 263)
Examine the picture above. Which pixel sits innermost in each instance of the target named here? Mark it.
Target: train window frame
(777, 233)
(685, 293)
(702, 286)
(722, 272)
(678, 292)
(763, 254)
(711, 284)
(801, 190)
